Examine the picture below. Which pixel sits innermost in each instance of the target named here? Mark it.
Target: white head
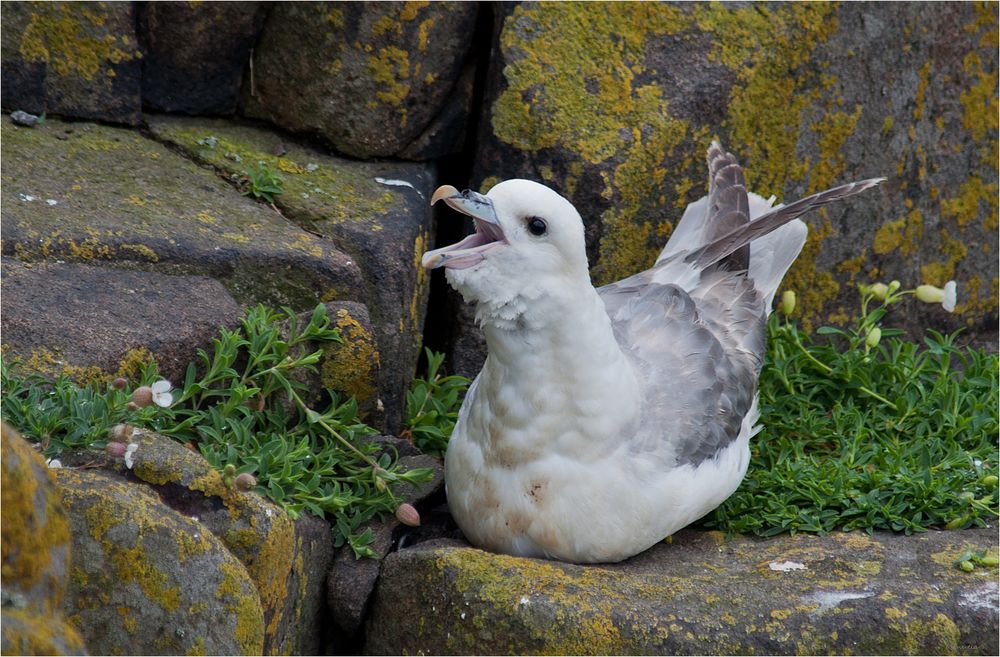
(528, 244)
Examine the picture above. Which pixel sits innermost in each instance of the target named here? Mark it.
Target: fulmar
(604, 420)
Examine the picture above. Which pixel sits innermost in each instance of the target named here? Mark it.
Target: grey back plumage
(693, 326)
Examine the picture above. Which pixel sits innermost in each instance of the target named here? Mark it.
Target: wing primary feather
(721, 247)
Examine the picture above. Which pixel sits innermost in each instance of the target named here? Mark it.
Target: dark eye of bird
(536, 225)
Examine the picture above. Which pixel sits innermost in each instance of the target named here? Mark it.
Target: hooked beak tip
(443, 192)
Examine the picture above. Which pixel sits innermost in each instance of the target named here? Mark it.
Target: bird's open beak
(472, 249)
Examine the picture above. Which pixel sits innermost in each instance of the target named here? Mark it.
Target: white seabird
(605, 420)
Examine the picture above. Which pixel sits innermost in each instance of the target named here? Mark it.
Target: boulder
(376, 77)
(286, 560)
(700, 594)
(377, 212)
(116, 319)
(76, 59)
(36, 555)
(615, 110)
(149, 580)
(194, 54)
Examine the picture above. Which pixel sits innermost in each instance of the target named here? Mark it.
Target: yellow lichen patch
(832, 131)
(902, 235)
(58, 35)
(288, 166)
(974, 197)
(143, 250)
(245, 606)
(390, 68)
(350, 366)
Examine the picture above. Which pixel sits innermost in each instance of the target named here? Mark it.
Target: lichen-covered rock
(35, 530)
(702, 594)
(78, 59)
(119, 319)
(148, 580)
(35, 547)
(194, 53)
(377, 212)
(31, 632)
(615, 108)
(286, 560)
(367, 77)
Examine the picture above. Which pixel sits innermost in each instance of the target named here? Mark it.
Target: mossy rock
(77, 59)
(286, 560)
(109, 196)
(149, 580)
(701, 594)
(377, 212)
(369, 78)
(35, 529)
(194, 53)
(615, 108)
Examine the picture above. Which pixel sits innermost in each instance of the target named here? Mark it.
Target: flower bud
(408, 515)
(990, 480)
(967, 566)
(874, 335)
(988, 561)
(132, 406)
(121, 432)
(142, 396)
(119, 383)
(229, 470)
(246, 481)
(788, 302)
(930, 294)
(879, 291)
(116, 449)
(894, 285)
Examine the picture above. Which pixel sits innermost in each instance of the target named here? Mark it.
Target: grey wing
(697, 357)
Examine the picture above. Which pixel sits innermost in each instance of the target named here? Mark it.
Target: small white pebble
(785, 566)
(52, 201)
(27, 197)
(54, 463)
(462, 615)
(267, 512)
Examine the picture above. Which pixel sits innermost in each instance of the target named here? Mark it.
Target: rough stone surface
(131, 585)
(89, 322)
(383, 226)
(194, 54)
(105, 194)
(36, 555)
(701, 594)
(286, 560)
(616, 108)
(78, 59)
(375, 77)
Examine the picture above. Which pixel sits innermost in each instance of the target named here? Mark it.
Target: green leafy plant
(242, 406)
(865, 430)
(432, 405)
(262, 182)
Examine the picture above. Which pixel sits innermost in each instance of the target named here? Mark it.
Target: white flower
(946, 297)
(161, 393)
(54, 463)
